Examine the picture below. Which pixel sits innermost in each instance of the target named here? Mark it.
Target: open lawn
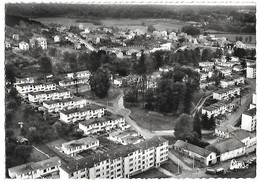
(152, 173)
(36, 156)
(170, 166)
(148, 121)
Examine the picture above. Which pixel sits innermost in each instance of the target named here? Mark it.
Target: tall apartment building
(226, 93)
(249, 120)
(124, 162)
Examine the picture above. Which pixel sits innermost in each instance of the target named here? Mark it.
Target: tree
(150, 28)
(100, 82)
(45, 66)
(197, 125)
(218, 53)
(10, 73)
(190, 30)
(184, 127)
(250, 38)
(204, 120)
(206, 55)
(211, 123)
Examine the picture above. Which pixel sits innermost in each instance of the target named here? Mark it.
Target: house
(7, 44)
(24, 80)
(247, 138)
(35, 170)
(172, 36)
(205, 156)
(26, 88)
(41, 42)
(226, 71)
(105, 123)
(226, 93)
(79, 74)
(240, 45)
(74, 147)
(87, 112)
(58, 105)
(224, 131)
(248, 121)
(228, 148)
(234, 59)
(49, 95)
(56, 38)
(218, 108)
(166, 69)
(118, 82)
(15, 37)
(23, 46)
(251, 71)
(123, 162)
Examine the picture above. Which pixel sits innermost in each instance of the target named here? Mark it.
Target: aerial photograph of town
(133, 91)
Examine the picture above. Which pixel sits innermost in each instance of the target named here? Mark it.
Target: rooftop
(225, 90)
(101, 120)
(48, 92)
(33, 166)
(241, 134)
(193, 148)
(83, 109)
(227, 144)
(121, 151)
(83, 141)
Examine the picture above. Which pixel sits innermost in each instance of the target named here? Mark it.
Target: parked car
(210, 171)
(220, 171)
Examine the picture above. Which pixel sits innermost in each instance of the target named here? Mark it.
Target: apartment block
(123, 162)
(35, 87)
(24, 80)
(58, 105)
(251, 71)
(49, 95)
(217, 108)
(249, 120)
(104, 123)
(226, 93)
(231, 81)
(79, 74)
(70, 82)
(87, 112)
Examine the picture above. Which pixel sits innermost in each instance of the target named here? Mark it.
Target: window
(97, 170)
(98, 175)
(118, 170)
(52, 167)
(83, 176)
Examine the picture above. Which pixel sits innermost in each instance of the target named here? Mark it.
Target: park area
(149, 121)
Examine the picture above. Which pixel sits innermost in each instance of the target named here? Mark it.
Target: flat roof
(35, 84)
(63, 100)
(48, 92)
(83, 141)
(101, 119)
(121, 151)
(83, 109)
(33, 166)
(224, 90)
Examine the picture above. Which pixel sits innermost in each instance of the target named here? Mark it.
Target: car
(210, 171)
(220, 171)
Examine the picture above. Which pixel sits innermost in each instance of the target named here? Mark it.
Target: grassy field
(148, 121)
(122, 23)
(36, 156)
(232, 37)
(170, 166)
(152, 173)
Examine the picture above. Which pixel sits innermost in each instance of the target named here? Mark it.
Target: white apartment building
(225, 71)
(24, 80)
(70, 82)
(232, 80)
(253, 104)
(23, 46)
(76, 146)
(248, 122)
(87, 112)
(123, 162)
(251, 71)
(49, 95)
(35, 87)
(35, 170)
(58, 105)
(80, 74)
(226, 93)
(217, 108)
(104, 123)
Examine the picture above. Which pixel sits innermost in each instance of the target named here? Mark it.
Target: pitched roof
(228, 144)
(193, 148)
(241, 134)
(33, 166)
